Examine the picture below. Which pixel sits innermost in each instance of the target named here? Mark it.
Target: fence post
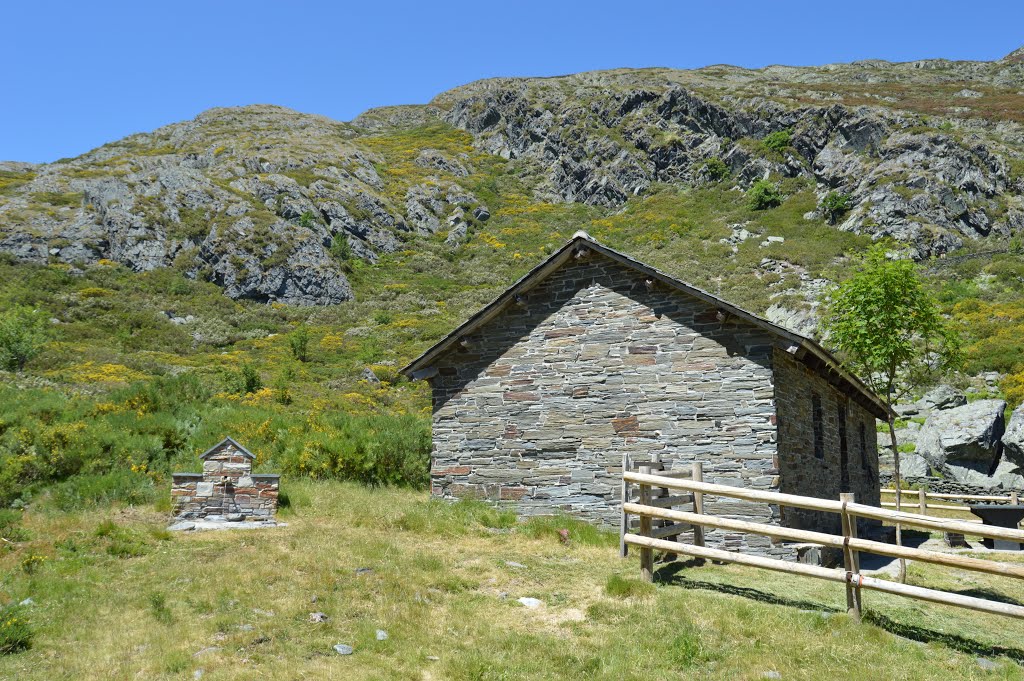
(698, 503)
(922, 501)
(623, 516)
(1013, 497)
(851, 559)
(646, 554)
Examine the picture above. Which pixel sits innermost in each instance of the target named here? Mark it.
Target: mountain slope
(271, 204)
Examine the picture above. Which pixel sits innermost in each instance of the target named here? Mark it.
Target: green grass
(114, 599)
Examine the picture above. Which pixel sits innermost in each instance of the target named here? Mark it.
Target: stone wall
(816, 468)
(536, 409)
(226, 489)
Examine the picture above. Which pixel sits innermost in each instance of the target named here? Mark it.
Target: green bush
(23, 332)
(715, 169)
(373, 450)
(298, 341)
(834, 205)
(777, 141)
(10, 526)
(764, 194)
(15, 631)
(340, 247)
(245, 381)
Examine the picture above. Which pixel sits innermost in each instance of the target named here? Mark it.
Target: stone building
(593, 355)
(227, 489)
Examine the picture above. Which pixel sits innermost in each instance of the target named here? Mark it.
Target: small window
(819, 427)
(864, 463)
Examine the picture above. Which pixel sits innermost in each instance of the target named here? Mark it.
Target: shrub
(10, 526)
(158, 608)
(23, 332)
(777, 141)
(245, 381)
(298, 341)
(306, 220)
(373, 450)
(340, 247)
(834, 205)
(763, 194)
(715, 169)
(15, 632)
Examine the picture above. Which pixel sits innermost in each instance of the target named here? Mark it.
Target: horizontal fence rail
(850, 544)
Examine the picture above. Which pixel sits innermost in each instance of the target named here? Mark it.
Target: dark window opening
(864, 463)
(819, 427)
(844, 455)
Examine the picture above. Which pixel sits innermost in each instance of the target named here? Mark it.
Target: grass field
(117, 597)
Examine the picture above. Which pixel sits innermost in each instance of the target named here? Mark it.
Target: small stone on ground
(382, 635)
(318, 617)
(343, 649)
(987, 665)
(513, 564)
(531, 602)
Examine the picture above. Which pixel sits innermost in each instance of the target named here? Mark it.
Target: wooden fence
(919, 500)
(848, 542)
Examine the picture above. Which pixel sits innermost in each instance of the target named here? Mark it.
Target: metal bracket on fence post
(646, 554)
(851, 559)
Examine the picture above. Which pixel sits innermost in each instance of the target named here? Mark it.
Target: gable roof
(803, 349)
(226, 441)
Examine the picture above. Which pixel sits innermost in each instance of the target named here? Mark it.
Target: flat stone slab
(204, 525)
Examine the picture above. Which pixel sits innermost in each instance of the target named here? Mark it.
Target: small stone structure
(227, 489)
(593, 356)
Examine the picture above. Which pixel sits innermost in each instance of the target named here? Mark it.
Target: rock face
(965, 440)
(266, 202)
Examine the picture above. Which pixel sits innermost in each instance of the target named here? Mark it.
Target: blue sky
(78, 74)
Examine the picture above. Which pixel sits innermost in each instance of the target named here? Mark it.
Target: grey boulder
(943, 397)
(1013, 439)
(914, 466)
(967, 436)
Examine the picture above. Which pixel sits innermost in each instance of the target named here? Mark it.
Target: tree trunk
(899, 494)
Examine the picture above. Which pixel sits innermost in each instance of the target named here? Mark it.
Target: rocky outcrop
(965, 441)
(1013, 439)
(942, 397)
(224, 196)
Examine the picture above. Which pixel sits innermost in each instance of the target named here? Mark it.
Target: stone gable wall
(538, 407)
(804, 473)
(226, 488)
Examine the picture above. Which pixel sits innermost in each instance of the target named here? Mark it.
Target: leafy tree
(298, 341)
(764, 194)
(23, 332)
(888, 330)
(834, 205)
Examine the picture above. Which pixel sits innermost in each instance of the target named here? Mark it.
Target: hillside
(263, 273)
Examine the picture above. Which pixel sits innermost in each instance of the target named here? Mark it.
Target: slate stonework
(535, 408)
(226, 487)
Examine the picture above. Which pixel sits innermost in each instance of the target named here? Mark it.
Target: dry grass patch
(444, 581)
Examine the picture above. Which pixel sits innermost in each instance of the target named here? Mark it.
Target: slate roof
(803, 349)
(209, 452)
